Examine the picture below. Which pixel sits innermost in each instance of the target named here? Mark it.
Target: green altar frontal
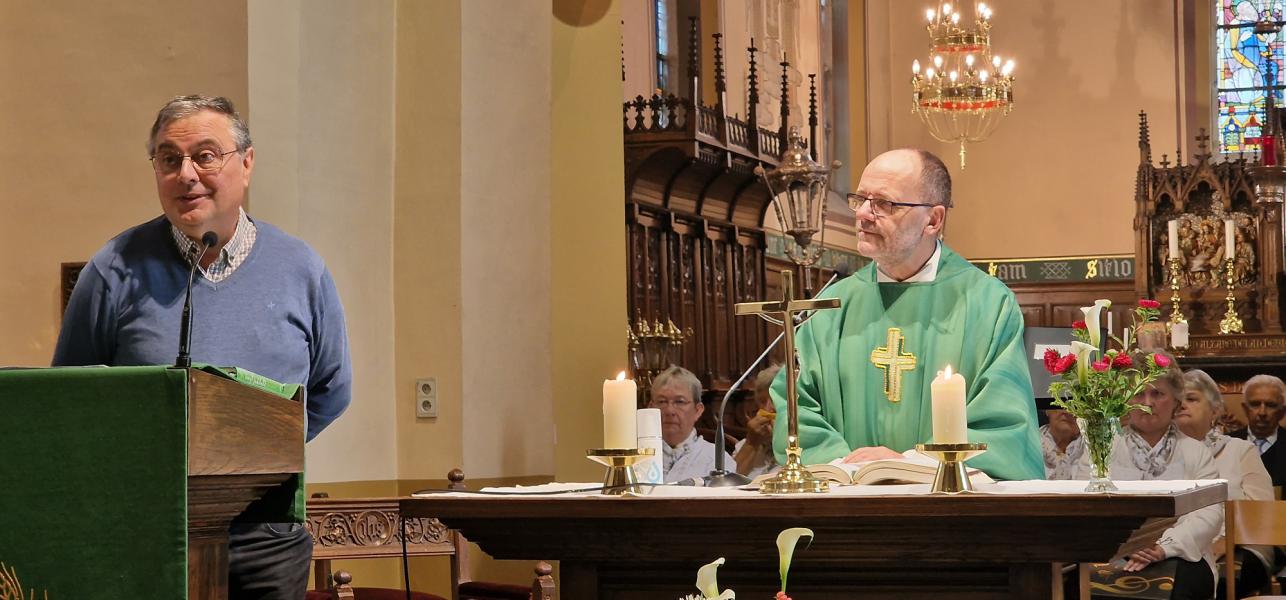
(93, 482)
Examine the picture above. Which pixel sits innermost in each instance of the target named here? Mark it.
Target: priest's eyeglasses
(209, 160)
(879, 206)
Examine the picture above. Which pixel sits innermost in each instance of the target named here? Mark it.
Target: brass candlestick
(1175, 271)
(1231, 323)
(793, 477)
(619, 462)
(951, 476)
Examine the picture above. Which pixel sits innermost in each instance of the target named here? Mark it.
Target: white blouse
(1238, 462)
(1192, 534)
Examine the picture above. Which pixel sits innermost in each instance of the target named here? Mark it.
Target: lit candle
(1174, 239)
(620, 398)
(948, 397)
(1229, 239)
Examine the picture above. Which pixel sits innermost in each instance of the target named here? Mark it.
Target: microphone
(720, 476)
(184, 360)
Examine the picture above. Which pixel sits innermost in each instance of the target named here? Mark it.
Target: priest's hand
(871, 453)
(1144, 557)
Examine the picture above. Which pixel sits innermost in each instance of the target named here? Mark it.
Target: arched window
(1248, 64)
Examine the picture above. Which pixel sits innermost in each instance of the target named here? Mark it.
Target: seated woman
(1237, 461)
(1061, 443)
(754, 454)
(1151, 447)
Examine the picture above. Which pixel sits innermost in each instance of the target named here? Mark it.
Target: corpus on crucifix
(793, 477)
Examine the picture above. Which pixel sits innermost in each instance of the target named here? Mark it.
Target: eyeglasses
(168, 162)
(679, 403)
(879, 206)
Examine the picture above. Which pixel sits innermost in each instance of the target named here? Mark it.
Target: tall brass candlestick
(1231, 323)
(1175, 315)
(793, 477)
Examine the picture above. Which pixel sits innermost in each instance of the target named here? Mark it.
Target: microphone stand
(720, 476)
(184, 359)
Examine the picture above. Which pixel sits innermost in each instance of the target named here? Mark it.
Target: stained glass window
(662, 45)
(1247, 65)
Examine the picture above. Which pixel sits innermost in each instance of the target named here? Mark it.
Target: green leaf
(786, 541)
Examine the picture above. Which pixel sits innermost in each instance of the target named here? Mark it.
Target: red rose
(1063, 364)
(1122, 361)
(1079, 325)
(1101, 365)
(1161, 360)
(1146, 303)
(1051, 359)
(782, 596)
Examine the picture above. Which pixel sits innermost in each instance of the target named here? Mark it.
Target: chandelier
(966, 90)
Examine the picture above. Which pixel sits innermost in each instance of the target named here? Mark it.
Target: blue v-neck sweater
(278, 314)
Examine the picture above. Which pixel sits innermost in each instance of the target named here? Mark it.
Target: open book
(913, 467)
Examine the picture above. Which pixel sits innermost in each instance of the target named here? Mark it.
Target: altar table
(871, 541)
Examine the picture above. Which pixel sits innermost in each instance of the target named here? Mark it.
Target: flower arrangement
(707, 581)
(1097, 381)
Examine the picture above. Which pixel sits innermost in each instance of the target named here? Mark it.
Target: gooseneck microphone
(720, 476)
(184, 360)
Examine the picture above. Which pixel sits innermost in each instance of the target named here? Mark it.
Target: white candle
(620, 398)
(1179, 335)
(1229, 239)
(1174, 239)
(948, 397)
(1109, 329)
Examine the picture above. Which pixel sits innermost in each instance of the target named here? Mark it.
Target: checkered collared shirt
(230, 257)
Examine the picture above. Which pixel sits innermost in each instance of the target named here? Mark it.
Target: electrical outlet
(426, 398)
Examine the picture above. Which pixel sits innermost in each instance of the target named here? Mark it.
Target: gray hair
(676, 375)
(182, 107)
(765, 378)
(1196, 380)
(935, 179)
(1266, 381)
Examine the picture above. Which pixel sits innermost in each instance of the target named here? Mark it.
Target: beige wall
(80, 83)
(505, 209)
(587, 216)
(325, 119)
(1065, 159)
(427, 235)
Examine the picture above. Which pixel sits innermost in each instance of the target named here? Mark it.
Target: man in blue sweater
(264, 301)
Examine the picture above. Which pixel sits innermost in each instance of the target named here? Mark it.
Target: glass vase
(1099, 433)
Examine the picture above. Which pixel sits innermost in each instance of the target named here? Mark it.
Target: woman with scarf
(1237, 461)
(1151, 447)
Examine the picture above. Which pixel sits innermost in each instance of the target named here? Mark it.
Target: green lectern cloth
(93, 485)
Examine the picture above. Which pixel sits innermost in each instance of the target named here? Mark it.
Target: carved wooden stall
(695, 213)
(1200, 196)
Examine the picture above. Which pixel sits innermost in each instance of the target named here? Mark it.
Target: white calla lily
(1093, 314)
(786, 541)
(1084, 353)
(708, 584)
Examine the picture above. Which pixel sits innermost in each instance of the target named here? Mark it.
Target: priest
(866, 369)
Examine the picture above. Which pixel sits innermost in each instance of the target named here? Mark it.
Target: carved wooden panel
(1199, 196)
(692, 271)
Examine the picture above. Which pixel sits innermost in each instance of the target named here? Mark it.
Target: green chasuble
(866, 368)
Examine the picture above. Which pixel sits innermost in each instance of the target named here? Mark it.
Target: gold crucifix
(793, 477)
(892, 360)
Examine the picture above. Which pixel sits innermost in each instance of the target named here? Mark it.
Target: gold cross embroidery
(892, 360)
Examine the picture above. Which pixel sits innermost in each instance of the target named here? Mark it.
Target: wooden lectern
(242, 442)
(110, 475)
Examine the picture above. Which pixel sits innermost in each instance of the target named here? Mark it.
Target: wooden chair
(370, 528)
(1252, 522)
